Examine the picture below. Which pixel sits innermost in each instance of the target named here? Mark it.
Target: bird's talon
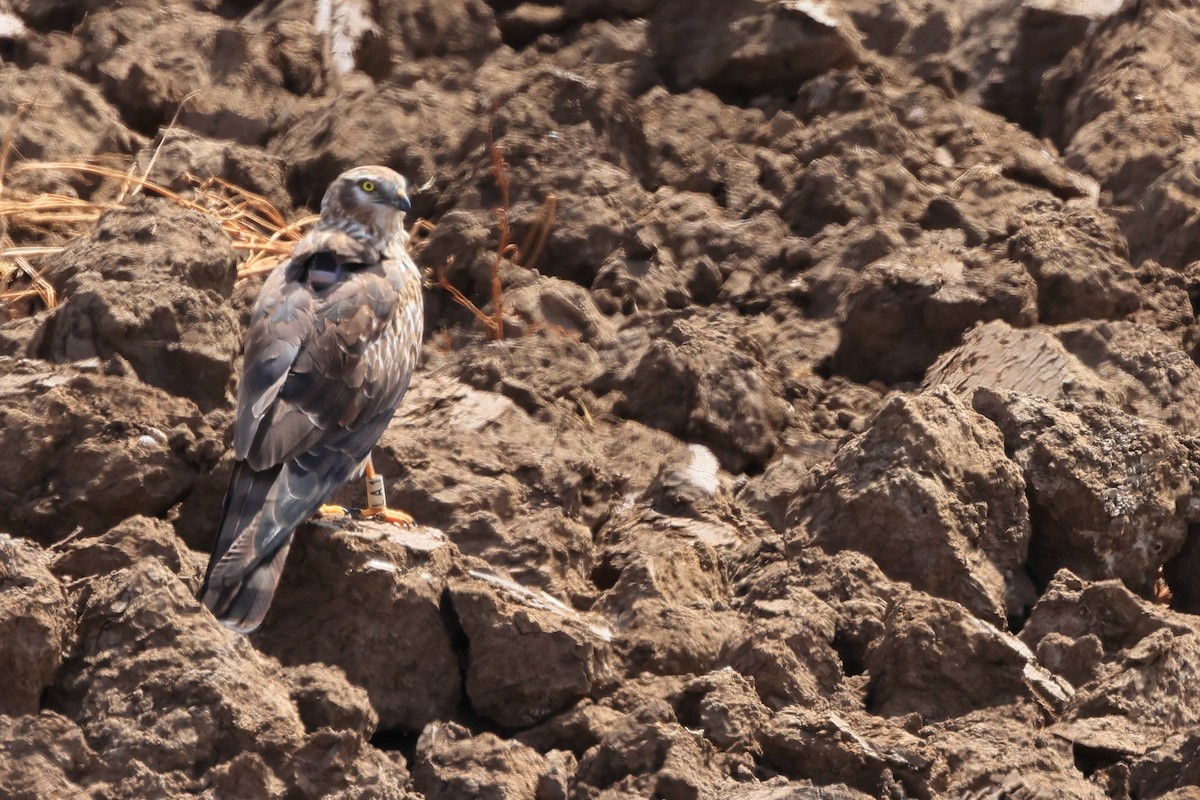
(385, 514)
(329, 510)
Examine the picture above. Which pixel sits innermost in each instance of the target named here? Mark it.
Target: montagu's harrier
(331, 347)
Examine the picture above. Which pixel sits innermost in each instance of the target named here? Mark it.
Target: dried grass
(258, 230)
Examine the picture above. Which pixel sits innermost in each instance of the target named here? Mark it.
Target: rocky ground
(842, 442)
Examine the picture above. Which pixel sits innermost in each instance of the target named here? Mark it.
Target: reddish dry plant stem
(536, 238)
(523, 255)
(460, 298)
(500, 175)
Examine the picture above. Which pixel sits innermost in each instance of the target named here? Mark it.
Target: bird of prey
(332, 343)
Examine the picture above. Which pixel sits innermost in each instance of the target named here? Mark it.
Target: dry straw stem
(258, 230)
(40, 288)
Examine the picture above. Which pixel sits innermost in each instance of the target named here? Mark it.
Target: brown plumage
(332, 343)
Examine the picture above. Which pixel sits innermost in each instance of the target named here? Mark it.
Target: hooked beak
(401, 201)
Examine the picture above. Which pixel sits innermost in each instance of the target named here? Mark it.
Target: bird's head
(367, 202)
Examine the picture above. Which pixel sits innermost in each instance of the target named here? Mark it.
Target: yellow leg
(377, 503)
(329, 510)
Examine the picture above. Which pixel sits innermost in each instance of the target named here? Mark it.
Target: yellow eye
(367, 186)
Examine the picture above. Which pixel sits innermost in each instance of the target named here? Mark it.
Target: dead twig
(41, 287)
(259, 232)
(524, 255)
(484, 319)
(162, 140)
(10, 133)
(500, 175)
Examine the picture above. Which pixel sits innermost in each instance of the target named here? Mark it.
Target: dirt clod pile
(841, 442)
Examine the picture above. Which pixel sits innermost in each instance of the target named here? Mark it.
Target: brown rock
(297, 50)
(161, 719)
(125, 545)
(770, 493)
(749, 45)
(1147, 374)
(659, 759)
(458, 451)
(781, 789)
(905, 310)
(687, 136)
(1028, 360)
(559, 307)
(1125, 365)
(234, 88)
(1168, 219)
(522, 24)
(46, 755)
(1082, 114)
(939, 661)
(1074, 660)
(1046, 31)
(917, 33)
(1170, 769)
(529, 656)
(459, 447)
(36, 625)
(760, 228)
(860, 750)
(667, 593)
(850, 587)
(928, 492)
(543, 549)
(1137, 699)
(537, 372)
(363, 125)
(341, 766)
(701, 380)
(1080, 262)
(369, 601)
(829, 191)
(1108, 492)
(325, 699)
(1079, 627)
(149, 285)
(595, 206)
(726, 708)
(432, 28)
(63, 118)
(1004, 750)
(88, 449)
(452, 764)
(568, 132)
(183, 153)
(693, 493)
(246, 775)
(578, 729)
(788, 651)
(15, 333)
(114, 677)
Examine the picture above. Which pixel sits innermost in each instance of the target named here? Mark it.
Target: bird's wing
(288, 331)
(321, 379)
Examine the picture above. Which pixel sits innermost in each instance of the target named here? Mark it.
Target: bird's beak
(401, 201)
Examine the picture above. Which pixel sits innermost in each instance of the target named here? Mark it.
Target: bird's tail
(250, 551)
(243, 606)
